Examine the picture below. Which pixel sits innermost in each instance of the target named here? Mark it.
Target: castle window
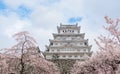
(64, 56)
(51, 43)
(47, 50)
(76, 56)
(55, 56)
(85, 43)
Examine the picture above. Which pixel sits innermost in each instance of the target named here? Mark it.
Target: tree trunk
(22, 53)
(22, 67)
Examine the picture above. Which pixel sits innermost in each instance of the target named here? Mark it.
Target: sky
(41, 18)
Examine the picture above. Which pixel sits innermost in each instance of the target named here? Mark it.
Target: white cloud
(45, 17)
(18, 25)
(12, 23)
(42, 36)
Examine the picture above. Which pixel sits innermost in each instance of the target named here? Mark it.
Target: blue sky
(2, 5)
(41, 17)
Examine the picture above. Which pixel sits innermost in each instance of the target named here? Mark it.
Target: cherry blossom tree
(22, 47)
(107, 59)
(110, 45)
(25, 57)
(3, 65)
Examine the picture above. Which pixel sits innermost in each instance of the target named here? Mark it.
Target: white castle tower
(68, 43)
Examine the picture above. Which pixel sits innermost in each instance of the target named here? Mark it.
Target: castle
(68, 43)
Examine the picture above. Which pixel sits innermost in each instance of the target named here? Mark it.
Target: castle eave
(68, 34)
(75, 52)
